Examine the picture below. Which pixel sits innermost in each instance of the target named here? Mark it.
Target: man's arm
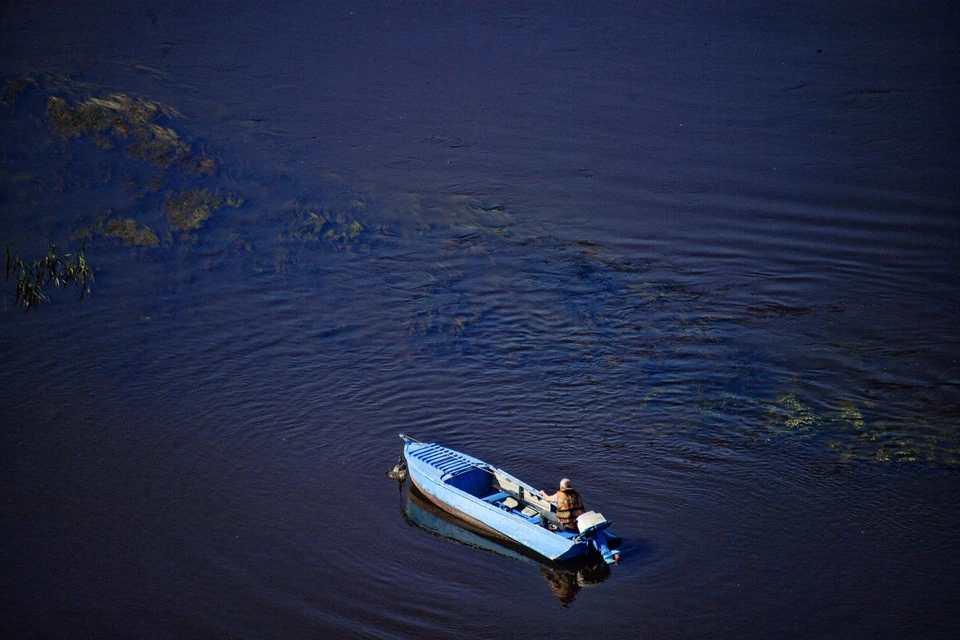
(550, 498)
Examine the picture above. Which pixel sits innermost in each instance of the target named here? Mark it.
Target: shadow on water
(565, 581)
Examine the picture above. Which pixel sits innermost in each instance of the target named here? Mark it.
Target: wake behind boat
(501, 505)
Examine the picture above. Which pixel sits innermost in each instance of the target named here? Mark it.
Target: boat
(500, 505)
(565, 580)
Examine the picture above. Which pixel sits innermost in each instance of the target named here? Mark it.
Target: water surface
(704, 261)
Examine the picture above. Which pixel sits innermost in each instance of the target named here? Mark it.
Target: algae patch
(71, 141)
(321, 224)
(853, 437)
(132, 234)
(192, 207)
(117, 118)
(792, 414)
(13, 87)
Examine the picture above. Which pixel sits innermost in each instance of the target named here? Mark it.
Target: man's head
(565, 483)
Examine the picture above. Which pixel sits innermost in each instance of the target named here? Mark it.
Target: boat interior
(506, 493)
(492, 486)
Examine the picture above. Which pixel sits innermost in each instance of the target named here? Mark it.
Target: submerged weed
(322, 225)
(62, 270)
(131, 233)
(158, 145)
(189, 209)
(853, 438)
(120, 117)
(789, 411)
(13, 87)
(201, 166)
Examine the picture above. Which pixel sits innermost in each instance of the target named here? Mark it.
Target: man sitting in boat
(569, 504)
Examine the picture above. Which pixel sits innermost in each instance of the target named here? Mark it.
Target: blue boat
(565, 580)
(502, 506)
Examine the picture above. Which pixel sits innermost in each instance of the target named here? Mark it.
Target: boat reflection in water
(565, 581)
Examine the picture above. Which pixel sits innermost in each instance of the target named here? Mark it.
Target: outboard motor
(592, 525)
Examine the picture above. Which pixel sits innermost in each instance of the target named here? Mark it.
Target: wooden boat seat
(525, 510)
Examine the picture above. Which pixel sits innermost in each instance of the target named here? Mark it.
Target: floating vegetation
(793, 415)
(435, 322)
(317, 225)
(853, 438)
(343, 232)
(201, 166)
(62, 270)
(117, 118)
(120, 114)
(136, 127)
(596, 257)
(851, 415)
(191, 208)
(132, 234)
(160, 146)
(121, 117)
(13, 87)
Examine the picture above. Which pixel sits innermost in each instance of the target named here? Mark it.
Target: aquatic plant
(201, 166)
(789, 411)
(13, 87)
(853, 438)
(159, 145)
(344, 231)
(191, 207)
(62, 270)
(121, 117)
(321, 224)
(132, 234)
(138, 152)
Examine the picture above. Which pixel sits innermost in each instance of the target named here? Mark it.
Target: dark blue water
(702, 260)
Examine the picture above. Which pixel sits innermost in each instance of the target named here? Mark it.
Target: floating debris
(399, 471)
